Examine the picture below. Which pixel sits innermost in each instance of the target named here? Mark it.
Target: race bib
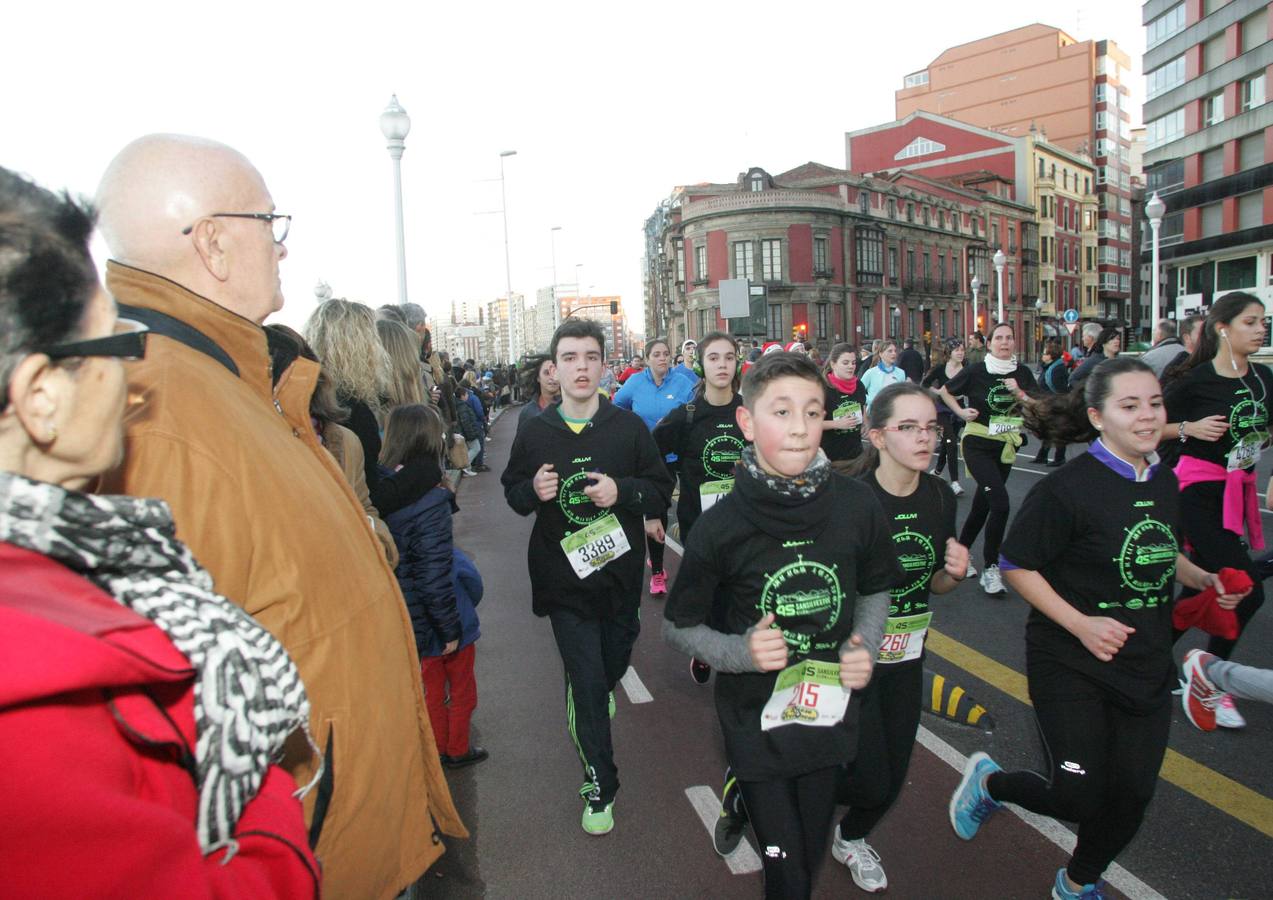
(849, 410)
(1005, 424)
(710, 492)
(904, 638)
(595, 545)
(1246, 453)
(808, 693)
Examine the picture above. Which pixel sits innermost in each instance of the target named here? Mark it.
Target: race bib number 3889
(592, 547)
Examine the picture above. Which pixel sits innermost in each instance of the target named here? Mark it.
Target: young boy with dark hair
(797, 561)
(592, 475)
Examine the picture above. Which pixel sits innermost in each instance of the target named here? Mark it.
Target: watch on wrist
(1182, 431)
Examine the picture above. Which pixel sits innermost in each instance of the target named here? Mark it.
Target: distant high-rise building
(1071, 93)
(1207, 148)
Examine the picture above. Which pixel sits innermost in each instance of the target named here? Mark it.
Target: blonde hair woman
(406, 383)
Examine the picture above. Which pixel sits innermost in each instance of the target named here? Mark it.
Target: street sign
(1071, 327)
(1070, 316)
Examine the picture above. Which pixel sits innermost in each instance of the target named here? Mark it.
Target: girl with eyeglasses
(902, 432)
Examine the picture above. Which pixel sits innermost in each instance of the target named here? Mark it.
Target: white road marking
(634, 688)
(1057, 833)
(743, 861)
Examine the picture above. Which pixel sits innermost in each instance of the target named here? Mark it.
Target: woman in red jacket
(141, 714)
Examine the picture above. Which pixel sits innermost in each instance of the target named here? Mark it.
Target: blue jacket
(475, 403)
(651, 403)
(467, 582)
(422, 532)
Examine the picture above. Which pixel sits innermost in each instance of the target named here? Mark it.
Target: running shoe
(598, 817)
(1061, 889)
(610, 705)
(731, 824)
(991, 583)
(1227, 715)
(658, 584)
(1200, 696)
(863, 862)
(469, 472)
(971, 804)
(701, 672)
(972, 571)
(956, 488)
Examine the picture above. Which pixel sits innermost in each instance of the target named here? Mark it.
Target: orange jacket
(264, 507)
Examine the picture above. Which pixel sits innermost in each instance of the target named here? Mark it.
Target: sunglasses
(128, 342)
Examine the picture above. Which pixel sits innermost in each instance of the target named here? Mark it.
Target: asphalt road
(1207, 834)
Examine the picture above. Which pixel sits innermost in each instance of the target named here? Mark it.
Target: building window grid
(775, 321)
(1213, 109)
(823, 330)
(1253, 92)
(1169, 23)
(820, 255)
(771, 259)
(700, 262)
(680, 262)
(1165, 77)
(744, 262)
(869, 246)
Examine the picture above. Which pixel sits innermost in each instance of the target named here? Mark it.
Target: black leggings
(948, 451)
(990, 505)
(1103, 764)
(656, 548)
(886, 736)
(1215, 547)
(790, 818)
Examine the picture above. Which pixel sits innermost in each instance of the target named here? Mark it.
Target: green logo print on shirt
(806, 599)
(719, 456)
(575, 504)
(1000, 399)
(917, 556)
(1146, 563)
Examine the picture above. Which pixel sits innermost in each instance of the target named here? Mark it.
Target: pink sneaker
(658, 584)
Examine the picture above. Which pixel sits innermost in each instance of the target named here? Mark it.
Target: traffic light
(614, 307)
(799, 332)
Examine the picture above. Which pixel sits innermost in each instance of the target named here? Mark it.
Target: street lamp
(976, 286)
(1154, 210)
(552, 234)
(508, 272)
(395, 125)
(1000, 260)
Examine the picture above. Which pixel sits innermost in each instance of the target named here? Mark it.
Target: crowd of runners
(810, 502)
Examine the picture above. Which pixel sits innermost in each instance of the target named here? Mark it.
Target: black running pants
(990, 503)
(791, 818)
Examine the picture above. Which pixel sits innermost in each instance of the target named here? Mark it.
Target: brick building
(1208, 151)
(1039, 80)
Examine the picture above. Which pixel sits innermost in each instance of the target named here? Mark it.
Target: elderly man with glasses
(196, 244)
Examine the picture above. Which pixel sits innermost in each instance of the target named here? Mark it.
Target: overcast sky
(608, 105)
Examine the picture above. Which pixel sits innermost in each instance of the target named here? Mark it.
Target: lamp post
(1154, 210)
(508, 271)
(976, 286)
(395, 125)
(1000, 260)
(552, 234)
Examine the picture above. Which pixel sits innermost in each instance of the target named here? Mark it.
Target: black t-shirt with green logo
(806, 561)
(1244, 403)
(920, 524)
(1108, 546)
(843, 443)
(987, 393)
(707, 442)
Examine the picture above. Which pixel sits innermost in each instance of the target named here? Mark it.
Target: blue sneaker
(1061, 889)
(971, 804)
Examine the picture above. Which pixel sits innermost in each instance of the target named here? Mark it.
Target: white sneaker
(1227, 715)
(863, 862)
(956, 488)
(469, 472)
(972, 571)
(991, 583)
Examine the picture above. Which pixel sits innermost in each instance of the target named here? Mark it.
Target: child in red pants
(451, 720)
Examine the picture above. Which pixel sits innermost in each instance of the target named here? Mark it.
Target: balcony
(760, 200)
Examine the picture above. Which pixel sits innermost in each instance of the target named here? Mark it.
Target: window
(1087, 185)
(775, 321)
(1164, 78)
(1253, 92)
(758, 182)
(1043, 251)
(1213, 164)
(1171, 175)
(824, 332)
(868, 323)
(820, 255)
(1087, 258)
(941, 271)
(1041, 158)
(1065, 294)
(1255, 30)
(925, 214)
(1213, 109)
(1012, 285)
(1065, 257)
(916, 79)
(910, 267)
(743, 261)
(864, 202)
(1212, 220)
(1102, 123)
(892, 208)
(700, 262)
(892, 266)
(1251, 151)
(919, 147)
(1233, 274)
(1164, 130)
(941, 219)
(928, 267)
(994, 234)
(910, 212)
(869, 246)
(1251, 210)
(1012, 238)
(1213, 53)
(705, 322)
(1169, 23)
(680, 262)
(771, 260)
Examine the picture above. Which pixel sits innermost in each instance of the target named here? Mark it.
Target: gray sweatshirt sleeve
(723, 652)
(870, 614)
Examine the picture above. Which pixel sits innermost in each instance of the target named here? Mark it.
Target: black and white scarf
(805, 484)
(248, 696)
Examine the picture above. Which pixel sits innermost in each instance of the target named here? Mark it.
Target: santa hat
(771, 346)
(795, 347)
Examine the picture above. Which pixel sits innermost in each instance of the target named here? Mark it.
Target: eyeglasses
(280, 224)
(913, 431)
(128, 342)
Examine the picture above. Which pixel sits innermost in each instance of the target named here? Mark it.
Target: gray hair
(1092, 329)
(414, 314)
(1167, 328)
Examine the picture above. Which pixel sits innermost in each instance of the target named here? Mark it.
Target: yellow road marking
(935, 704)
(953, 704)
(1208, 785)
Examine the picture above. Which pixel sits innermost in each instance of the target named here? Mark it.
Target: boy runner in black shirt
(797, 562)
(592, 474)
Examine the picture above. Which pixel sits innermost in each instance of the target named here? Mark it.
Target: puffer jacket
(422, 531)
(467, 582)
(466, 419)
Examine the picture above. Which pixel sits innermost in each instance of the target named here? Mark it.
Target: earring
(1099, 428)
(52, 433)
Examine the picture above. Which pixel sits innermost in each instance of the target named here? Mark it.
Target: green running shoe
(598, 817)
(612, 705)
